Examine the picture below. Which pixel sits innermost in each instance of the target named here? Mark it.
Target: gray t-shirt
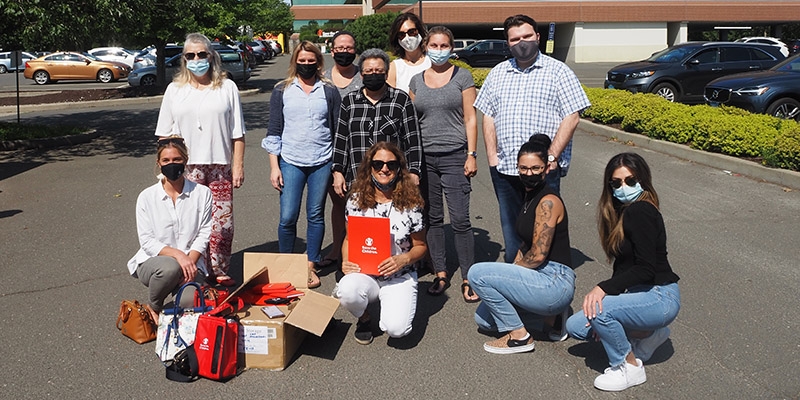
(355, 84)
(440, 112)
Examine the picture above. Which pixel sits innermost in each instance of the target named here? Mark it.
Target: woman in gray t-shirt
(443, 96)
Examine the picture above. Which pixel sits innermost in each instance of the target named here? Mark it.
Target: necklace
(526, 205)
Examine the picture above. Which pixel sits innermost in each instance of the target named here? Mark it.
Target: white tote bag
(177, 326)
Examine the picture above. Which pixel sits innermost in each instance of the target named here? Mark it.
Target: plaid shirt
(525, 102)
(362, 124)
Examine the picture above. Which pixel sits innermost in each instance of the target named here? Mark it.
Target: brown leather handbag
(135, 322)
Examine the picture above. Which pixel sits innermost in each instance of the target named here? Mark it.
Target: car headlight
(133, 74)
(751, 91)
(640, 74)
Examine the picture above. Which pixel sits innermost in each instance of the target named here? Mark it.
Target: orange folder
(369, 241)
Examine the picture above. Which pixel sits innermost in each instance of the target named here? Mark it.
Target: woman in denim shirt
(304, 108)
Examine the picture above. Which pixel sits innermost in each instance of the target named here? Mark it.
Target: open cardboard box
(266, 343)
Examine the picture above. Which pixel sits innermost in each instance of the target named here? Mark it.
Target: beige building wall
(608, 41)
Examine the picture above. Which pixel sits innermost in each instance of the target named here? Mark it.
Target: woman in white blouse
(173, 219)
(203, 107)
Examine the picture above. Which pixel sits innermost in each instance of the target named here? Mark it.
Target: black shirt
(642, 257)
(559, 247)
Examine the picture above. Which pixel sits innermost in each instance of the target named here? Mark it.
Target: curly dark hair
(405, 195)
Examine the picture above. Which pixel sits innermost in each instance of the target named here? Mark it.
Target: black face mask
(374, 81)
(306, 71)
(344, 59)
(173, 171)
(532, 182)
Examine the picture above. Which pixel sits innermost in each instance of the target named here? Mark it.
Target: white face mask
(410, 43)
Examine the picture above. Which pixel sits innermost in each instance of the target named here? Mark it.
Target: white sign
(255, 339)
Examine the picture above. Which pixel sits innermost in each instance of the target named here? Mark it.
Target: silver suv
(7, 61)
(231, 63)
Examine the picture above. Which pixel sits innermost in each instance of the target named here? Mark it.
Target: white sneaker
(558, 333)
(621, 377)
(643, 349)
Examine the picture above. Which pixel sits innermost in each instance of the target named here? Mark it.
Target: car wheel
(666, 91)
(105, 76)
(3, 69)
(41, 77)
(785, 108)
(148, 80)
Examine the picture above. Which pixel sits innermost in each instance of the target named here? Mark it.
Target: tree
(372, 30)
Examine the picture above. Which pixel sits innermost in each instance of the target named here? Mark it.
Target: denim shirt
(300, 127)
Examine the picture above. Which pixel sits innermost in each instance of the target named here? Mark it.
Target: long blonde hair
(218, 75)
(609, 210)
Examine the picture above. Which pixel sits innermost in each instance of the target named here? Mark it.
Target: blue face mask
(627, 194)
(387, 187)
(439, 57)
(197, 67)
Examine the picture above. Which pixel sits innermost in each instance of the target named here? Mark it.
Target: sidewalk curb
(728, 164)
(46, 143)
(7, 110)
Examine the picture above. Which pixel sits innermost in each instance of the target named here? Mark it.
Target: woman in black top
(541, 279)
(629, 313)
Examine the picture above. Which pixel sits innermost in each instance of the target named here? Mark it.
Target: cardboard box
(266, 343)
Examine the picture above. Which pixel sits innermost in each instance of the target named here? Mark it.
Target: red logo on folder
(369, 241)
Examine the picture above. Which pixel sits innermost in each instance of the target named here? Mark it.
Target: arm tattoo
(542, 236)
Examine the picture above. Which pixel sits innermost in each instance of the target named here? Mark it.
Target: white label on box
(255, 339)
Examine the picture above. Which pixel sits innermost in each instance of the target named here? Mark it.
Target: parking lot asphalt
(67, 228)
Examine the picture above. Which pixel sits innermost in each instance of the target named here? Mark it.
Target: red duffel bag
(216, 342)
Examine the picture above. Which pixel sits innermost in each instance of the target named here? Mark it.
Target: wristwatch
(472, 153)
(551, 158)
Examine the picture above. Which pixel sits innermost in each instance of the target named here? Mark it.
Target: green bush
(372, 31)
(726, 130)
(14, 131)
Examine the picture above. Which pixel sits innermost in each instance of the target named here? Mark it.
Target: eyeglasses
(630, 181)
(536, 169)
(191, 56)
(377, 165)
(166, 141)
(342, 48)
(411, 32)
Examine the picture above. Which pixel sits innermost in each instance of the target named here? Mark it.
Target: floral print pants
(218, 178)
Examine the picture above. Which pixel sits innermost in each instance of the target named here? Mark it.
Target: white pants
(398, 297)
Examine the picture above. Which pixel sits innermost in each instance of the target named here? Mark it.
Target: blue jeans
(510, 194)
(641, 308)
(295, 179)
(444, 175)
(505, 287)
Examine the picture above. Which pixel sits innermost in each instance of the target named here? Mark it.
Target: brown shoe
(507, 345)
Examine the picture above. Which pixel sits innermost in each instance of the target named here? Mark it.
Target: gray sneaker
(558, 332)
(643, 349)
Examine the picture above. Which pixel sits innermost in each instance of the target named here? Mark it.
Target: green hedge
(726, 130)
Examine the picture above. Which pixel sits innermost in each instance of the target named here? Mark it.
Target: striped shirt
(362, 124)
(530, 101)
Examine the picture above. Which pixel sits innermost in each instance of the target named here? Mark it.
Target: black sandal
(436, 288)
(469, 293)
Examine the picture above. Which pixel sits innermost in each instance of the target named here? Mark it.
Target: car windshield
(671, 55)
(788, 65)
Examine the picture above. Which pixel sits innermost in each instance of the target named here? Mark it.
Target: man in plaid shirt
(528, 94)
(375, 113)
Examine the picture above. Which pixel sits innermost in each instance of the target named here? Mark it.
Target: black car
(681, 72)
(775, 92)
(484, 53)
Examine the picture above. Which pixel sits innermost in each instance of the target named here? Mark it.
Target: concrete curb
(6, 110)
(729, 164)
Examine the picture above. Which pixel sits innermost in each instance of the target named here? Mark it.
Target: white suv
(117, 54)
(766, 40)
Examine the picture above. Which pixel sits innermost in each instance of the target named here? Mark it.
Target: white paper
(255, 339)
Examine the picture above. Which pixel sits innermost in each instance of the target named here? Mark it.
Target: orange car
(74, 66)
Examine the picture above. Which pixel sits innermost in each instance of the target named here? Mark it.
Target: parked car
(484, 53)
(681, 72)
(768, 41)
(74, 66)
(231, 62)
(260, 51)
(775, 92)
(276, 47)
(459, 44)
(7, 61)
(794, 46)
(118, 54)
